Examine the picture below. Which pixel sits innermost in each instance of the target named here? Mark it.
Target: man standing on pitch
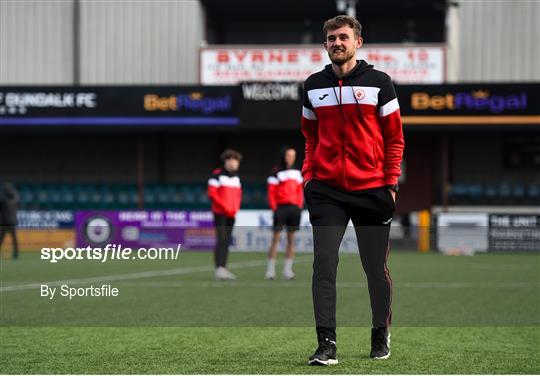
(9, 199)
(354, 147)
(225, 193)
(286, 199)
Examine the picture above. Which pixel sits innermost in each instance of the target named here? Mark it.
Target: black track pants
(224, 227)
(4, 230)
(330, 211)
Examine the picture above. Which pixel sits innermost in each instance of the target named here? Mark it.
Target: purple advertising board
(146, 228)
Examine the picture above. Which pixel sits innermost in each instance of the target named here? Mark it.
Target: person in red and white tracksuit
(286, 199)
(354, 147)
(225, 193)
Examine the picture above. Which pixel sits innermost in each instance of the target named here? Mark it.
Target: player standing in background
(225, 193)
(9, 199)
(354, 146)
(286, 199)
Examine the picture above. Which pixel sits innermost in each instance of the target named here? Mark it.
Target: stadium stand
(35, 196)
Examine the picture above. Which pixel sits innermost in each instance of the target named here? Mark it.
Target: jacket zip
(343, 138)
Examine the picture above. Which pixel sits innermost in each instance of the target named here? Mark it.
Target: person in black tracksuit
(9, 199)
(225, 193)
(354, 147)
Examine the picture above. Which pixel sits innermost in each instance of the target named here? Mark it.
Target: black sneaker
(380, 343)
(325, 354)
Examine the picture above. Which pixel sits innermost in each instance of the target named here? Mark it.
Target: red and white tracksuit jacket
(353, 130)
(225, 192)
(285, 187)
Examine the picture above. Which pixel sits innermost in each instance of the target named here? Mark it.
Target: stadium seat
(505, 190)
(533, 192)
(518, 191)
(490, 191)
(476, 192)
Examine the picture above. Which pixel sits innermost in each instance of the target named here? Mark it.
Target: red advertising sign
(231, 65)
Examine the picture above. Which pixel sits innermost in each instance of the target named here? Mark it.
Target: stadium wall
(139, 42)
(88, 42)
(495, 42)
(112, 157)
(492, 164)
(36, 42)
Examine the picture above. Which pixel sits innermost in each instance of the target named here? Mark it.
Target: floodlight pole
(76, 42)
(347, 6)
(140, 174)
(445, 172)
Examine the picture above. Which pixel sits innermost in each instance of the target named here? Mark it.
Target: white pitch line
(140, 275)
(297, 284)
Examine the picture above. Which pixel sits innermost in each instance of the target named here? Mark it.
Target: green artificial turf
(475, 314)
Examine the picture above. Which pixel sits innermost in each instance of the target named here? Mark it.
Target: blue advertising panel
(119, 106)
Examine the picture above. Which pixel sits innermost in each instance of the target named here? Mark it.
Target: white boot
(288, 275)
(271, 269)
(287, 270)
(224, 274)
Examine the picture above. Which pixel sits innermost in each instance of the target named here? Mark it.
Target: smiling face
(341, 44)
